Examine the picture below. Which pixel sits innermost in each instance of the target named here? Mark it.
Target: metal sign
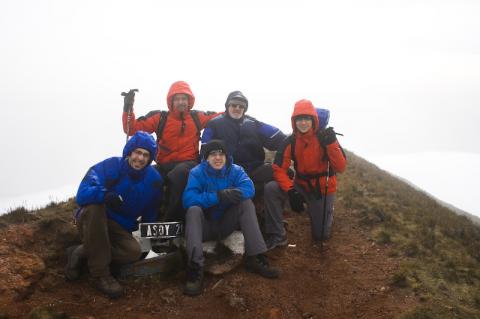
(161, 230)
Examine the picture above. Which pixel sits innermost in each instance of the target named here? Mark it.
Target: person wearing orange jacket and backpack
(315, 153)
(178, 136)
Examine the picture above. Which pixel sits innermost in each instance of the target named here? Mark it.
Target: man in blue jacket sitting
(218, 202)
(113, 196)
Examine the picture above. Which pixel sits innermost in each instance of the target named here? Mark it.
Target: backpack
(163, 122)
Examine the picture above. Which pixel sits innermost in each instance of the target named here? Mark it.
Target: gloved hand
(113, 201)
(230, 196)
(296, 200)
(128, 100)
(327, 136)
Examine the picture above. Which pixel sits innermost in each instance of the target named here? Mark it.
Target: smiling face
(139, 158)
(217, 159)
(303, 123)
(180, 102)
(236, 108)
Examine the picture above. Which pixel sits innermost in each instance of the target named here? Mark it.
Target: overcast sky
(399, 77)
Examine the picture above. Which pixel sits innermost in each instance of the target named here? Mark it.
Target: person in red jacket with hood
(178, 143)
(315, 153)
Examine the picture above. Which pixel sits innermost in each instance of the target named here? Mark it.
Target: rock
(237, 302)
(168, 295)
(274, 313)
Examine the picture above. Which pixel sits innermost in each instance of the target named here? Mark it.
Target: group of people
(209, 189)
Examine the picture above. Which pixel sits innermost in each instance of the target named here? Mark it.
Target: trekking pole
(131, 94)
(324, 206)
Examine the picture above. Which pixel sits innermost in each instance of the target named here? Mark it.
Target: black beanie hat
(213, 145)
(236, 95)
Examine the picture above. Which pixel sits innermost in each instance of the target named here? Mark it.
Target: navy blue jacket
(141, 190)
(245, 138)
(204, 182)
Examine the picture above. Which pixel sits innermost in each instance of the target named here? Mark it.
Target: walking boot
(75, 258)
(276, 241)
(109, 286)
(194, 284)
(259, 264)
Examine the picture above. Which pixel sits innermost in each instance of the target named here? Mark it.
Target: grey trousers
(239, 217)
(105, 241)
(274, 200)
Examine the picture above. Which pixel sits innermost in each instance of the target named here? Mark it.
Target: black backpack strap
(292, 151)
(196, 120)
(161, 124)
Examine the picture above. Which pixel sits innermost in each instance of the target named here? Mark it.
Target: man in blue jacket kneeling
(218, 202)
(113, 195)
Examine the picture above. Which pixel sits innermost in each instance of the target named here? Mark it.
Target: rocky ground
(349, 279)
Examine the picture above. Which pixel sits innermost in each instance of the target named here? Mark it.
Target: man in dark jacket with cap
(113, 196)
(245, 138)
(218, 202)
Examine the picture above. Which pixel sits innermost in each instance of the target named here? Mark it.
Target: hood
(180, 87)
(141, 140)
(304, 107)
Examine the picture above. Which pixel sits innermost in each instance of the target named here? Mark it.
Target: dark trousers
(105, 241)
(176, 176)
(274, 200)
(262, 174)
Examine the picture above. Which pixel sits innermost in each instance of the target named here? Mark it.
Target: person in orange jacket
(178, 136)
(315, 153)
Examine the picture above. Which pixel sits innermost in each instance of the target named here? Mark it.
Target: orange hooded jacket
(179, 141)
(309, 154)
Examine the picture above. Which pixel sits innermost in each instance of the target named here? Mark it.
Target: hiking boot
(75, 257)
(109, 286)
(194, 284)
(276, 241)
(259, 264)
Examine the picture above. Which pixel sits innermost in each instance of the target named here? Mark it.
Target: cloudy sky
(401, 79)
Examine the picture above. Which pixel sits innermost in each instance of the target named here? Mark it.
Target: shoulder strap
(161, 124)
(196, 120)
(292, 151)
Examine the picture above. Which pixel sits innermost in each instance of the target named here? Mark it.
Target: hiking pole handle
(131, 94)
(132, 91)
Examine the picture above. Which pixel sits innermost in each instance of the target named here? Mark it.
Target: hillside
(394, 253)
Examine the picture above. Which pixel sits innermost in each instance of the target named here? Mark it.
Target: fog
(399, 77)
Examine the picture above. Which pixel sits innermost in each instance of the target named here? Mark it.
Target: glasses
(303, 118)
(234, 106)
(216, 153)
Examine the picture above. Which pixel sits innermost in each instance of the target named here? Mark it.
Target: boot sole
(280, 244)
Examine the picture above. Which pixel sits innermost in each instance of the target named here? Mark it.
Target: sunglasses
(234, 106)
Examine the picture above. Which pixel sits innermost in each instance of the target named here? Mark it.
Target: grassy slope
(442, 249)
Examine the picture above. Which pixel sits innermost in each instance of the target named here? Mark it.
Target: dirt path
(348, 280)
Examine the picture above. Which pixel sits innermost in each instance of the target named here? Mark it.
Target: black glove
(327, 136)
(230, 196)
(128, 100)
(113, 201)
(296, 200)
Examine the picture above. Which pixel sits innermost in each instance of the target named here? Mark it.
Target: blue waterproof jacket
(204, 181)
(141, 190)
(245, 138)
